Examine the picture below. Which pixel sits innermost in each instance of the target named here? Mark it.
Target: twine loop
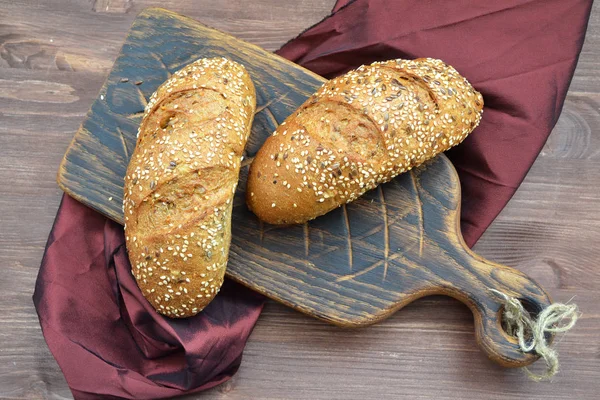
(531, 331)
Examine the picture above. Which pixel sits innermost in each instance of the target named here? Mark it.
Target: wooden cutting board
(352, 267)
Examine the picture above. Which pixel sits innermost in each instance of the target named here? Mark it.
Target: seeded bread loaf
(180, 183)
(357, 131)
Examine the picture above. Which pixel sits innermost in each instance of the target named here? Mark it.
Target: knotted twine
(531, 331)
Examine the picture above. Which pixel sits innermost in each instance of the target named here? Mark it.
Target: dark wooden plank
(353, 267)
(548, 230)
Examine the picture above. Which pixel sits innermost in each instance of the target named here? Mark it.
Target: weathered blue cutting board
(354, 266)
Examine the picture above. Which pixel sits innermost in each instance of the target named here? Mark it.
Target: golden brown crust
(357, 131)
(180, 183)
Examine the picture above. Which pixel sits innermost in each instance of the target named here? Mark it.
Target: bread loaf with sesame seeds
(357, 131)
(180, 183)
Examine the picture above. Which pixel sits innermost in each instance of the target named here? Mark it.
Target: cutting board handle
(487, 306)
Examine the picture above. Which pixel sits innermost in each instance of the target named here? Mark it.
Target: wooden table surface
(54, 57)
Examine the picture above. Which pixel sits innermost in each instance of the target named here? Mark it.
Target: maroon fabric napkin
(521, 55)
(108, 340)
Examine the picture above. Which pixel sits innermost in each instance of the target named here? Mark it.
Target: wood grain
(550, 230)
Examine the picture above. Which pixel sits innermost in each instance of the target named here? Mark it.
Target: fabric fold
(105, 336)
(520, 55)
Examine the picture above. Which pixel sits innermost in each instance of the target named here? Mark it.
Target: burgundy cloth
(106, 337)
(521, 55)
